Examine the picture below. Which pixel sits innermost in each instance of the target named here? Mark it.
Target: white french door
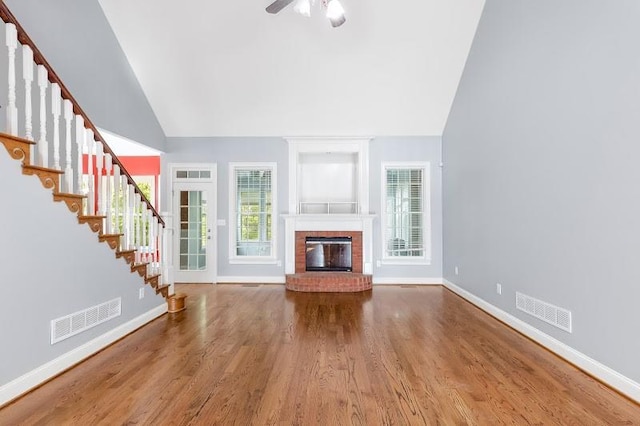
(194, 213)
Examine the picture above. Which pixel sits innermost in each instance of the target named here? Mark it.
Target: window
(252, 211)
(405, 219)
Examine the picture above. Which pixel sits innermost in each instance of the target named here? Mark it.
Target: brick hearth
(328, 281)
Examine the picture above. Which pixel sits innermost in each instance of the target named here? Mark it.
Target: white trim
(253, 260)
(401, 261)
(257, 260)
(407, 280)
(425, 259)
(125, 147)
(607, 375)
(252, 280)
(35, 377)
(173, 167)
(328, 222)
(212, 246)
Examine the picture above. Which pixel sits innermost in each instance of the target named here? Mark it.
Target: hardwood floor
(260, 355)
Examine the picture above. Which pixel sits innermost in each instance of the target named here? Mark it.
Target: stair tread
(69, 195)
(126, 251)
(44, 169)
(91, 217)
(16, 138)
(110, 235)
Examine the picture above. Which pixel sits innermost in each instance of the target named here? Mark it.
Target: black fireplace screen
(328, 254)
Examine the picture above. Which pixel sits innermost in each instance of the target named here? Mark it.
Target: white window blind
(254, 212)
(404, 215)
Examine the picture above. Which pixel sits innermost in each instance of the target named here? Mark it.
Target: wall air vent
(72, 324)
(547, 312)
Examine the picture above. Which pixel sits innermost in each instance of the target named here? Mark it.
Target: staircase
(71, 159)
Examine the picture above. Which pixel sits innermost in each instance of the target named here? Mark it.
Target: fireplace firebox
(328, 254)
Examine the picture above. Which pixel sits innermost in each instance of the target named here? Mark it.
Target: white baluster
(99, 167)
(108, 165)
(12, 110)
(43, 145)
(68, 168)
(117, 186)
(27, 75)
(124, 194)
(160, 250)
(138, 230)
(80, 143)
(91, 195)
(131, 200)
(166, 255)
(55, 111)
(144, 231)
(153, 222)
(126, 213)
(156, 244)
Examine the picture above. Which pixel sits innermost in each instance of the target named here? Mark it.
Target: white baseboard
(28, 381)
(252, 280)
(407, 280)
(600, 371)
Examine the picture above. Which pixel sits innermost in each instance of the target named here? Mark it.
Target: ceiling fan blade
(278, 5)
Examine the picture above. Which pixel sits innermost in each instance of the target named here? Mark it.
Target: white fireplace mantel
(328, 222)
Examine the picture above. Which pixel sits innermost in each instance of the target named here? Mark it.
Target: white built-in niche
(328, 176)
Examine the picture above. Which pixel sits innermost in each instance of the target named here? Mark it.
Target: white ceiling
(227, 68)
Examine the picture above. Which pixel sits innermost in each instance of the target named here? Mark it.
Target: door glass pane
(193, 230)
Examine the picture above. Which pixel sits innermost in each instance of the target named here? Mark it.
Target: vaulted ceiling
(227, 68)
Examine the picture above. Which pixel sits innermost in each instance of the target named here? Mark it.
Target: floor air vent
(547, 312)
(72, 324)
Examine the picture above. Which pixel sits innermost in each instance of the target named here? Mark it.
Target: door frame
(212, 254)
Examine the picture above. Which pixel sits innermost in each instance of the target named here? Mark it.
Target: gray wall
(386, 149)
(78, 42)
(224, 150)
(51, 266)
(541, 177)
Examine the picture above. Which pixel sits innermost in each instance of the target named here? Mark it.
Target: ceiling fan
(335, 11)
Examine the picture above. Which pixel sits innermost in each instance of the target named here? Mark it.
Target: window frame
(234, 258)
(425, 259)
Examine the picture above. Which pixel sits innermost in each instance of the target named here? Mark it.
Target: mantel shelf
(328, 216)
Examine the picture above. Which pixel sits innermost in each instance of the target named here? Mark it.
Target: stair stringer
(51, 266)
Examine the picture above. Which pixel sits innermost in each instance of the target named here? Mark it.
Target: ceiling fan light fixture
(303, 7)
(335, 11)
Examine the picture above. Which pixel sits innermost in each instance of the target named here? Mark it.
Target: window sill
(253, 261)
(406, 261)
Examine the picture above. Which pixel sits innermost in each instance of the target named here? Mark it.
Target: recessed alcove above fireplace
(328, 175)
(328, 183)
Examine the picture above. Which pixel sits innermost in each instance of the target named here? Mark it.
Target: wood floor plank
(259, 355)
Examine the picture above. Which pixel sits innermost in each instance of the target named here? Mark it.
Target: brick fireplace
(328, 197)
(303, 280)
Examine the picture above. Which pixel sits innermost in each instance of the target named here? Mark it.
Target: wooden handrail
(39, 59)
